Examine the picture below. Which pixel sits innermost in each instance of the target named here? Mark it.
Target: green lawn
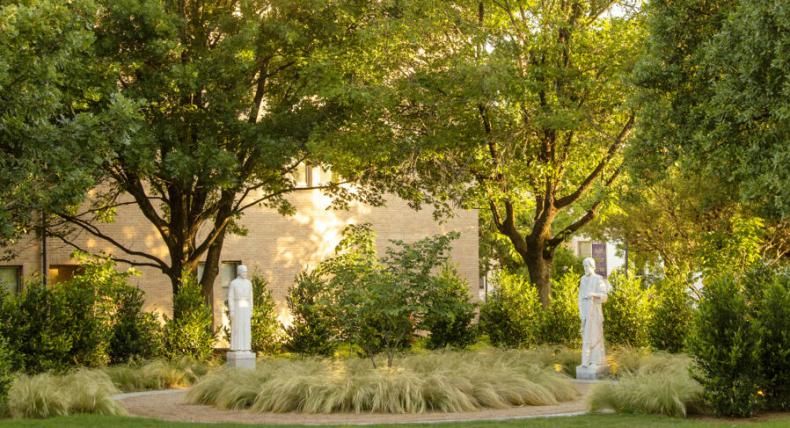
(608, 421)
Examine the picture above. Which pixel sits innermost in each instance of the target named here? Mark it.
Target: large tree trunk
(210, 273)
(540, 274)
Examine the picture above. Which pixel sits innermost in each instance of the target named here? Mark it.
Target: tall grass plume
(439, 381)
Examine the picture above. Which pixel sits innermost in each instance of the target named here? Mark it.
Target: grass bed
(46, 395)
(656, 384)
(156, 374)
(443, 381)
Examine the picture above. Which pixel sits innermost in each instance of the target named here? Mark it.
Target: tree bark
(539, 268)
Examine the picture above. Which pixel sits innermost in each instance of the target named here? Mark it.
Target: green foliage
(450, 320)
(156, 374)
(660, 385)
(136, 334)
(6, 376)
(672, 314)
(36, 323)
(87, 320)
(377, 305)
(267, 333)
(772, 319)
(47, 395)
(715, 97)
(441, 381)
(190, 332)
(725, 345)
(50, 143)
(383, 302)
(313, 330)
(627, 312)
(511, 315)
(566, 264)
(560, 323)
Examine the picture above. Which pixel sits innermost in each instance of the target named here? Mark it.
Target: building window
(11, 279)
(584, 249)
(62, 273)
(227, 272)
(303, 175)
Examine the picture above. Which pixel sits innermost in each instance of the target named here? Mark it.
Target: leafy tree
(714, 85)
(231, 98)
(56, 119)
(518, 107)
(314, 329)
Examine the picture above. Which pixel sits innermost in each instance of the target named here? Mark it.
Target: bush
(313, 330)
(511, 315)
(6, 376)
(46, 395)
(267, 333)
(451, 314)
(560, 322)
(773, 322)
(672, 314)
(660, 385)
(627, 312)
(725, 345)
(190, 333)
(566, 263)
(136, 334)
(36, 323)
(441, 381)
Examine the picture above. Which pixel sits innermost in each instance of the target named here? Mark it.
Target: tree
(231, 98)
(518, 107)
(53, 135)
(714, 85)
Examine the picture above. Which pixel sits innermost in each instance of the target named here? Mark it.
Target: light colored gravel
(172, 406)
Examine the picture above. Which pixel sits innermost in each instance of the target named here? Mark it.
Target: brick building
(276, 247)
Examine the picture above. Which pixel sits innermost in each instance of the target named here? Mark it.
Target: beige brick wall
(276, 247)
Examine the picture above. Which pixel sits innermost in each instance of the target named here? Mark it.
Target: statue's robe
(240, 305)
(593, 292)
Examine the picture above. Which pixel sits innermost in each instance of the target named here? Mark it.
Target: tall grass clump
(445, 381)
(47, 395)
(156, 374)
(661, 384)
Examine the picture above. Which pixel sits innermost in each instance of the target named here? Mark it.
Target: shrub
(441, 381)
(627, 312)
(560, 323)
(773, 322)
(511, 315)
(660, 385)
(36, 323)
(46, 395)
(724, 343)
(136, 334)
(313, 330)
(5, 373)
(267, 334)
(190, 333)
(451, 314)
(672, 314)
(566, 263)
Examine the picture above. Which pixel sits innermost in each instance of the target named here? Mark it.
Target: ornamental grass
(46, 395)
(655, 384)
(438, 381)
(156, 374)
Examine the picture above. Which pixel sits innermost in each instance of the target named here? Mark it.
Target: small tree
(190, 332)
(314, 329)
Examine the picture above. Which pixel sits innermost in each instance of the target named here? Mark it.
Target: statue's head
(589, 265)
(241, 271)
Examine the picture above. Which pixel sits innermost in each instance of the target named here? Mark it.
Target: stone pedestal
(241, 359)
(593, 372)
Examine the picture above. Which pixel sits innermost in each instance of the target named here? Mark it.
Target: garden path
(172, 406)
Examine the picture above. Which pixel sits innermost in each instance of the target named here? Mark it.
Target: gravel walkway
(171, 406)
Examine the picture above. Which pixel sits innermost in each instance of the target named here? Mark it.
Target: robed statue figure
(240, 305)
(593, 292)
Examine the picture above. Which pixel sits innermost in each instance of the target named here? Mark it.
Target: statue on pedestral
(593, 292)
(240, 305)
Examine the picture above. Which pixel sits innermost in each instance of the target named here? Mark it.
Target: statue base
(592, 372)
(241, 359)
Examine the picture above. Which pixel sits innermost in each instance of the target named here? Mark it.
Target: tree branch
(587, 183)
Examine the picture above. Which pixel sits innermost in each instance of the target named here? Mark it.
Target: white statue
(593, 292)
(240, 305)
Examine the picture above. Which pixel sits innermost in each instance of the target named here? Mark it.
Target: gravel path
(171, 406)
